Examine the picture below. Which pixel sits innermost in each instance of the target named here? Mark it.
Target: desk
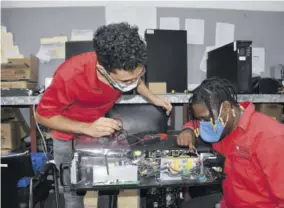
(175, 99)
(151, 183)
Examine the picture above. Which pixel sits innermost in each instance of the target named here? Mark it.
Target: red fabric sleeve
(269, 154)
(57, 97)
(191, 125)
(223, 203)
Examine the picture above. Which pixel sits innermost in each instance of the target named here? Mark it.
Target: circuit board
(173, 168)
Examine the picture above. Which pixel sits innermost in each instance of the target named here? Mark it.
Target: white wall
(236, 5)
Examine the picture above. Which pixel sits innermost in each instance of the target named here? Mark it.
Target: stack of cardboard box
(13, 129)
(126, 199)
(20, 73)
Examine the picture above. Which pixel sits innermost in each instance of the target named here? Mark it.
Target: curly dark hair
(119, 46)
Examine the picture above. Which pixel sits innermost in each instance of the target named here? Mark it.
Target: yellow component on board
(137, 153)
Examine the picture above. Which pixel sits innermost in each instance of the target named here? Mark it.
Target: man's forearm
(62, 123)
(143, 90)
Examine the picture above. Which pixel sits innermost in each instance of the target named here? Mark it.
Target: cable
(147, 170)
(43, 143)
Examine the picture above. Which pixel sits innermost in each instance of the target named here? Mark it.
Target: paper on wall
(143, 17)
(47, 82)
(203, 63)
(52, 48)
(3, 29)
(169, 23)
(56, 39)
(195, 31)
(51, 51)
(258, 60)
(44, 53)
(191, 87)
(225, 33)
(81, 35)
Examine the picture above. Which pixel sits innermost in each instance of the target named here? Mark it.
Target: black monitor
(167, 58)
(73, 48)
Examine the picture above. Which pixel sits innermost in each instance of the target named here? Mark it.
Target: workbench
(175, 99)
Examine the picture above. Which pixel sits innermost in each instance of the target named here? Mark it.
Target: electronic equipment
(234, 63)
(73, 48)
(167, 58)
(9, 92)
(105, 162)
(10, 166)
(163, 197)
(269, 86)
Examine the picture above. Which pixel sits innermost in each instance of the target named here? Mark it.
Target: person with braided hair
(251, 142)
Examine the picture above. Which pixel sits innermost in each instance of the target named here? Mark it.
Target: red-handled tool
(163, 136)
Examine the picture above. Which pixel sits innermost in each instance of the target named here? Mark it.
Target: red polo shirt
(77, 93)
(254, 166)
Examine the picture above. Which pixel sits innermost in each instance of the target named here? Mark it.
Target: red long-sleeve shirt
(77, 93)
(254, 165)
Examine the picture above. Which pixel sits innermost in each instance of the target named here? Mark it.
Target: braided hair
(212, 92)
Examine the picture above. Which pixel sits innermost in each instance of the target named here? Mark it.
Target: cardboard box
(18, 84)
(5, 152)
(158, 87)
(126, 199)
(20, 69)
(10, 135)
(273, 110)
(9, 114)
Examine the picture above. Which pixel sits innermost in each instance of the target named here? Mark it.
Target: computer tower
(167, 58)
(73, 48)
(234, 63)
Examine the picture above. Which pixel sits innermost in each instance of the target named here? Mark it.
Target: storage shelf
(136, 99)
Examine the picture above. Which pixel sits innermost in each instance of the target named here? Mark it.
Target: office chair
(14, 168)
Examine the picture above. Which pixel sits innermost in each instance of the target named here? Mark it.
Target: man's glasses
(121, 83)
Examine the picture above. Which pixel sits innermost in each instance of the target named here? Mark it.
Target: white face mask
(125, 87)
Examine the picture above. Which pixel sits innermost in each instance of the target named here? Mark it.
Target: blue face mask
(212, 134)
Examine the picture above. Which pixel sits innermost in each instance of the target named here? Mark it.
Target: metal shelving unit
(175, 99)
(135, 99)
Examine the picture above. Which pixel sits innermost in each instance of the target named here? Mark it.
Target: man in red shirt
(86, 86)
(251, 142)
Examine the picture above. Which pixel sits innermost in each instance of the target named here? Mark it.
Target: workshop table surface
(169, 144)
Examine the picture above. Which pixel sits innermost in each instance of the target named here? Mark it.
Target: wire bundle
(121, 136)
